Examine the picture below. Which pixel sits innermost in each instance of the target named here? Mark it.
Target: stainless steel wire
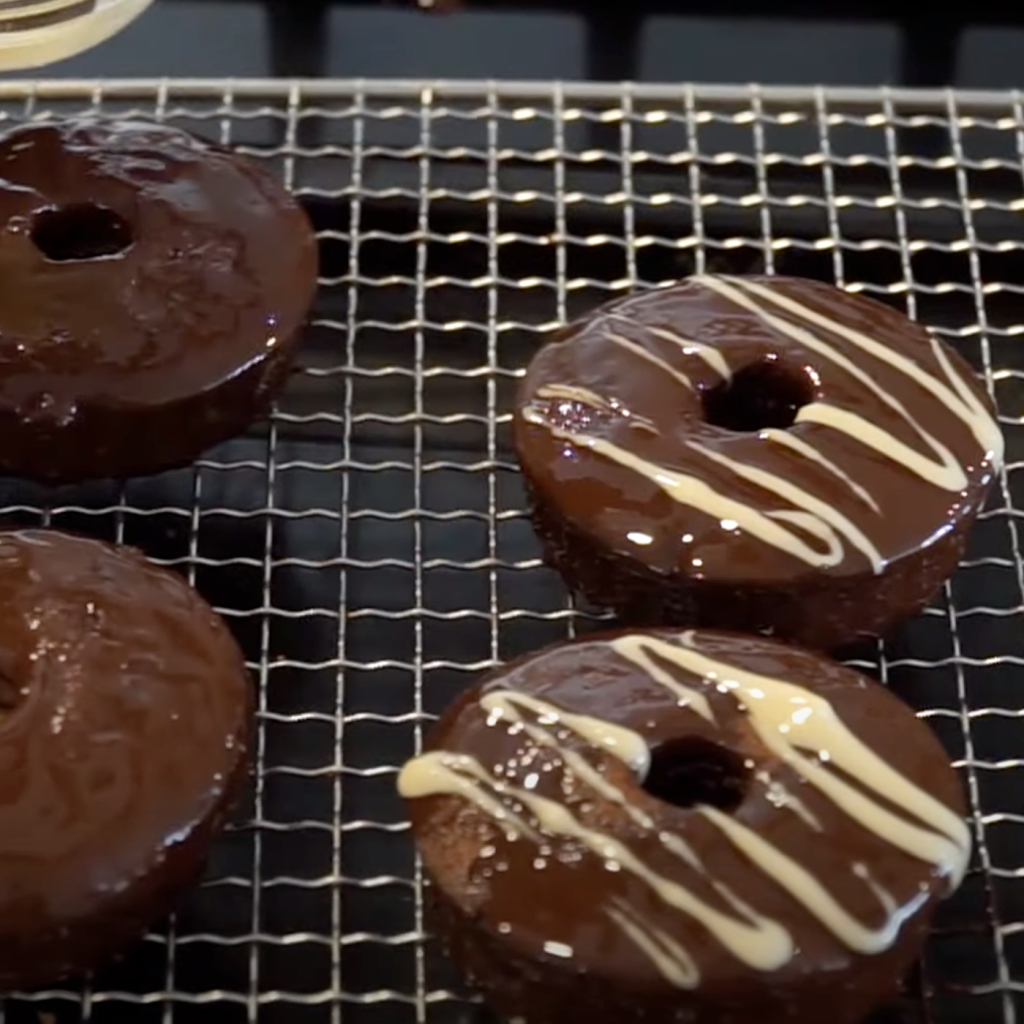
(369, 544)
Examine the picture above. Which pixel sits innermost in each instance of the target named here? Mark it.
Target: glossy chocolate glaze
(120, 761)
(628, 515)
(139, 359)
(527, 919)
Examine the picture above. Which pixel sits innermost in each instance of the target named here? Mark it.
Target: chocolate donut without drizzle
(121, 757)
(154, 287)
(765, 454)
(688, 827)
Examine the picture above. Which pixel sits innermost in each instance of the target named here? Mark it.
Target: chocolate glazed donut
(765, 454)
(152, 291)
(689, 827)
(125, 716)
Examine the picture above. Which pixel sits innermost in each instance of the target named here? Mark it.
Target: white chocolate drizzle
(460, 775)
(756, 940)
(961, 401)
(690, 490)
(827, 515)
(639, 648)
(805, 888)
(584, 396)
(623, 744)
(779, 796)
(673, 962)
(643, 353)
(946, 472)
(790, 720)
(574, 393)
(626, 745)
(808, 451)
(708, 353)
(788, 529)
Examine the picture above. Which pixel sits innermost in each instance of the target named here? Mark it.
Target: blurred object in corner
(34, 33)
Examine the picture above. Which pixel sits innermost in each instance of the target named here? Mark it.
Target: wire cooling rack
(369, 546)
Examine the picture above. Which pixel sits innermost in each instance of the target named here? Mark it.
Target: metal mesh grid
(369, 545)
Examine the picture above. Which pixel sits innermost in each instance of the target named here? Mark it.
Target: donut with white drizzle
(758, 453)
(684, 826)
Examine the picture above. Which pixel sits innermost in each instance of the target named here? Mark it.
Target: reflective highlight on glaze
(145, 356)
(708, 353)
(755, 940)
(942, 470)
(586, 397)
(791, 720)
(800, 727)
(895, 444)
(674, 963)
(794, 443)
(691, 490)
(959, 400)
(831, 523)
(638, 350)
(122, 760)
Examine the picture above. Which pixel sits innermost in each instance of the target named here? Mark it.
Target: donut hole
(692, 771)
(81, 231)
(759, 396)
